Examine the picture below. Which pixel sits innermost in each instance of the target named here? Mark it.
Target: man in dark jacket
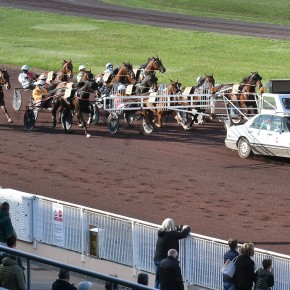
(169, 272)
(6, 228)
(63, 282)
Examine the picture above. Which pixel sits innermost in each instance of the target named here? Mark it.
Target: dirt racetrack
(187, 175)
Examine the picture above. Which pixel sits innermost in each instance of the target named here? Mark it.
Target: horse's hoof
(89, 135)
(157, 125)
(81, 125)
(10, 120)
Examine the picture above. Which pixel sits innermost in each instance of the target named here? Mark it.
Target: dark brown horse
(79, 101)
(4, 82)
(205, 86)
(66, 72)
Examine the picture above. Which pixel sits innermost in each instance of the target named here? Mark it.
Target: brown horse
(125, 74)
(243, 94)
(4, 82)
(150, 67)
(66, 72)
(163, 101)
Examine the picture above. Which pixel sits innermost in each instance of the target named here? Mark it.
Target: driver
(39, 93)
(82, 69)
(109, 68)
(26, 78)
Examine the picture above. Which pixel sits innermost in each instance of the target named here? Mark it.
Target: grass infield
(43, 40)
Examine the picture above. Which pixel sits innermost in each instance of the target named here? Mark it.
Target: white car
(267, 133)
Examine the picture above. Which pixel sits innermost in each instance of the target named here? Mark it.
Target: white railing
(125, 240)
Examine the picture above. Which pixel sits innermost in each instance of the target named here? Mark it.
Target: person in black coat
(169, 272)
(63, 282)
(245, 268)
(168, 238)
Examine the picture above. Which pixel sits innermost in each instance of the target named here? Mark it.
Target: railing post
(134, 249)
(83, 223)
(28, 274)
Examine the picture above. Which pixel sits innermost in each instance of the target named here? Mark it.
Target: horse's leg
(6, 114)
(56, 105)
(81, 120)
(159, 119)
(185, 127)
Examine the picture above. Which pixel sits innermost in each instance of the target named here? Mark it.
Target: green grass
(43, 40)
(268, 11)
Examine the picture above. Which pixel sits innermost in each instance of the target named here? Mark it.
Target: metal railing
(89, 273)
(130, 242)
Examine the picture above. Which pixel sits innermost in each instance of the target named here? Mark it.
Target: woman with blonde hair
(168, 238)
(245, 268)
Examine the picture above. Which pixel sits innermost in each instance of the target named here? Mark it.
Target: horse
(243, 93)
(79, 101)
(4, 82)
(162, 104)
(66, 72)
(124, 74)
(153, 64)
(148, 83)
(205, 86)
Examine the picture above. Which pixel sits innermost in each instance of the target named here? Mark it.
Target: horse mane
(144, 65)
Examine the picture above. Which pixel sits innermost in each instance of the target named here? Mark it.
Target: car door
(276, 138)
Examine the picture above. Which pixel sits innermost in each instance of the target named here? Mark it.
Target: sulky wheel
(235, 119)
(113, 123)
(17, 100)
(29, 119)
(95, 114)
(66, 118)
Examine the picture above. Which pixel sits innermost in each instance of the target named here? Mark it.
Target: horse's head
(174, 87)
(153, 64)
(88, 76)
(4, 79)
(67, 68)
(256, 79)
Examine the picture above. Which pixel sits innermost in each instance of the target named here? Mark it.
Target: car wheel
(244, 148)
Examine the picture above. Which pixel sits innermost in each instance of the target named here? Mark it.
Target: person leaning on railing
(168, 238)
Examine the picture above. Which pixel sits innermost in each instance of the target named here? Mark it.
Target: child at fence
(264, 277)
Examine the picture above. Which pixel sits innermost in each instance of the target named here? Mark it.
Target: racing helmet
(25, 67)
(109, 65)
(121, 88)
(82, 67)
(40, 83)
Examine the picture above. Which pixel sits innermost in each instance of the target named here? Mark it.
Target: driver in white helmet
(82, 69)
(109, 68)
(39, 93)
(26, 78)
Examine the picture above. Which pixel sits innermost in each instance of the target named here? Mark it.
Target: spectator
(26, 78)
(62, 283)
(169, 272)
(6, 228)
(168, 238)
(110, 285)
(11, 274)
(264, 277)
(230, 255)
(85, 285)
(11, 243)
(143, 279)
(245, 268)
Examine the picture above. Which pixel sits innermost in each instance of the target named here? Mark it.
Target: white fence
(123, 240)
